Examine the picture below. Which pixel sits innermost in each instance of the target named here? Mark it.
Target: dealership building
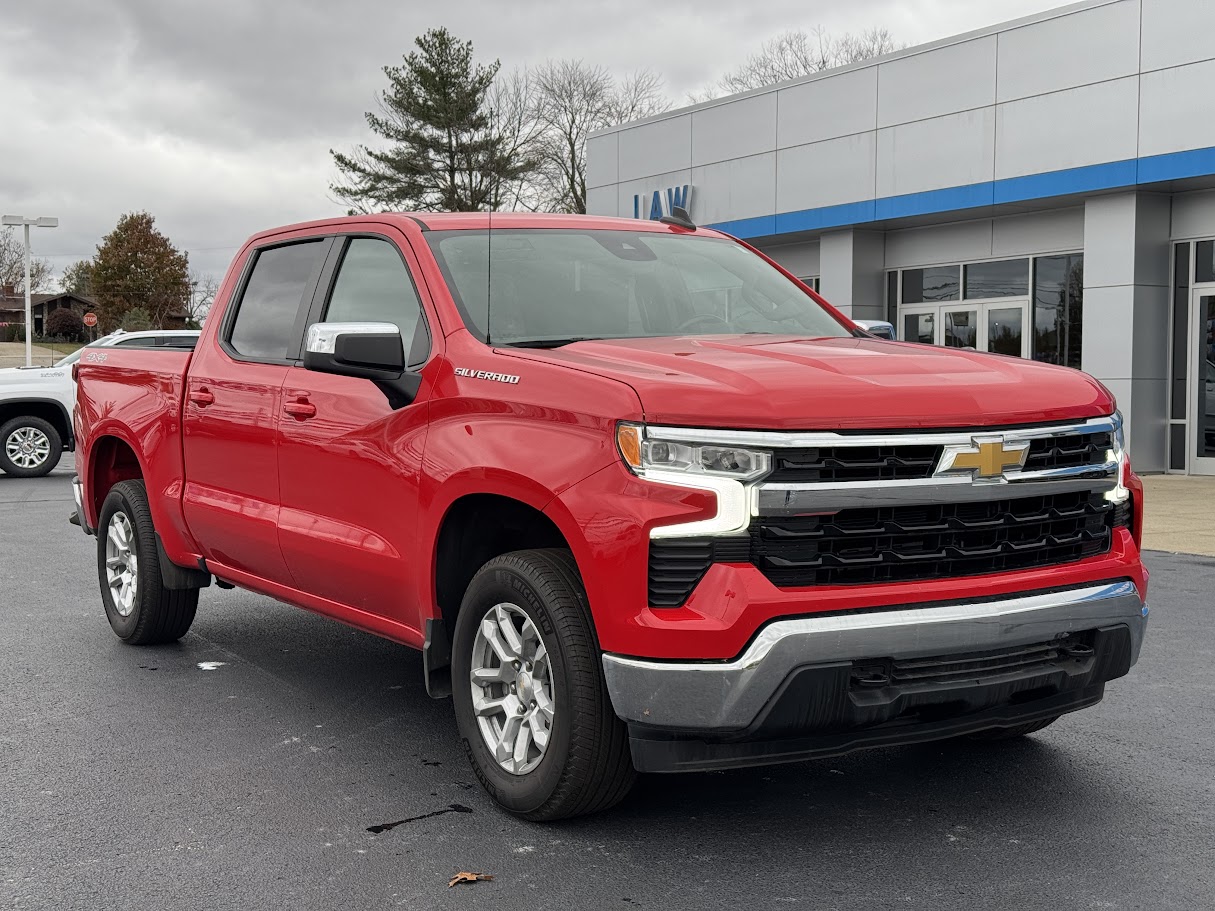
(1043, 188)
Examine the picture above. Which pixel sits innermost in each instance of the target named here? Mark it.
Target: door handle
(201, 397)
(301, 411)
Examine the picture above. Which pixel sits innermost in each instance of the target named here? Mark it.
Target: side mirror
(372, 351)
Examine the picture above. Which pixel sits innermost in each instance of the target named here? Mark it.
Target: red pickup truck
(643, 500)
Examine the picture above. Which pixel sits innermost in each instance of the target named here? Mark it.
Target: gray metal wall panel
(929, 84)
(656, 148)
(741, 188)
(946, 151)
(1193, 215)
(800, 259)
(1108, 348)
(825, 173)
(1175, 110)
(1109, 243)
(603, 201)
(1088, 46)
(646, 186)
(1176, 32)
(1056, 231)
(827, 108)
(734, 130)
(602, 160)
(937, 244)
(1083, 126)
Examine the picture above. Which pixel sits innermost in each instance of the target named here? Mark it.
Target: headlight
(1119, 435)
(643, 454)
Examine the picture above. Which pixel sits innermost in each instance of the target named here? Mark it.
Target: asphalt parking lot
(134, 778)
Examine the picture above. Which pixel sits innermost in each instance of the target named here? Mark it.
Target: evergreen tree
(444, 152)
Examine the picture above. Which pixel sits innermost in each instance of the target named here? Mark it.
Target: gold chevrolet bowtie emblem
(990, 459)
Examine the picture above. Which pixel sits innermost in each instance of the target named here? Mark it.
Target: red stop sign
(90, 320)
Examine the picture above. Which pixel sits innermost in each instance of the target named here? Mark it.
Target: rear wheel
(527, 681)
(1012, 733)
(29, 447)
(140, 609)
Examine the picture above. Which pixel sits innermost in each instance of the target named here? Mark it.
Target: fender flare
(69, 440)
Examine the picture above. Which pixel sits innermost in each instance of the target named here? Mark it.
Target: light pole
(29, 310)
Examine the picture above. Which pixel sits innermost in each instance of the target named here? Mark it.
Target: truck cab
(644, 501)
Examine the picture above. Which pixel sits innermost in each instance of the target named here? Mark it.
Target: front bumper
(798, 678)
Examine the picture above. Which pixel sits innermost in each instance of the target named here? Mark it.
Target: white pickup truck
(36, 403)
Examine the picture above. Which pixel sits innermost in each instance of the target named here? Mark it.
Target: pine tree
(444, 152)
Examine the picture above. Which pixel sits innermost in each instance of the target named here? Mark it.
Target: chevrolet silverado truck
(644, 501)
(36, 405)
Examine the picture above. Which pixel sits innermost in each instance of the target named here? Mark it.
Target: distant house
(12, 306)
(12, 309)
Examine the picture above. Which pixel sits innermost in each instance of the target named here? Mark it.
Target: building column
(1126, 313)
(852, 273)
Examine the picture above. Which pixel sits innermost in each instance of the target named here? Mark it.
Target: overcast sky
(217, 115)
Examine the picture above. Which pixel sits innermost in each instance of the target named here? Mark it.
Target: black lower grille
(677, 564)
(905, 543)
(973, 667)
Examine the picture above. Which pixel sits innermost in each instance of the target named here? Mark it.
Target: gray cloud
(217, 116)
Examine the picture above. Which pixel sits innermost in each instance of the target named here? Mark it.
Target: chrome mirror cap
(322, 337)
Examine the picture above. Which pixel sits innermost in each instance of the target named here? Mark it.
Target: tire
(140, 609)
(585, 765)
(993, 734)
(29, 447)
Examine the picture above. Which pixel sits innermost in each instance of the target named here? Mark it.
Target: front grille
(854, 463)
(896, 544)
(907, 543)
(978, 667)
(1068, 451)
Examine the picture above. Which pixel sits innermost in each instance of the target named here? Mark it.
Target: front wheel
(29, 447)
(140, 609)
(531, 704)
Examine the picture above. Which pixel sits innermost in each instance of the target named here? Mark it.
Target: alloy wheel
(122, 563)
(512, 688)
(27, 447)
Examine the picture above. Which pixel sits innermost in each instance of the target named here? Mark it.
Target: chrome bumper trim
(777, 439)
(728, 695)
(796, 499)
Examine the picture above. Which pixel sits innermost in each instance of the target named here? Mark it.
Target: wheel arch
(50, 410)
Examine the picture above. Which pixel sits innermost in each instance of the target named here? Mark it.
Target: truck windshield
(550, 287)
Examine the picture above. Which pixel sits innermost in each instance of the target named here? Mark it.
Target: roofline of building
(1046, 15)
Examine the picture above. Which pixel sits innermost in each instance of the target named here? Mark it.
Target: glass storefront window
(1204, 261)
(1005, 330)
(920, 327)
(961, 328)
(935, 283)
(1058, 309)
(1008, 278)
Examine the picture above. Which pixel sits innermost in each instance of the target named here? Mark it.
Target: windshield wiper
(548, 342)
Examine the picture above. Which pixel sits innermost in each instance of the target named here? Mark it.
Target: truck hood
(794, 383)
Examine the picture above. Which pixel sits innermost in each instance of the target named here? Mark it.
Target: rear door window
(268, 310)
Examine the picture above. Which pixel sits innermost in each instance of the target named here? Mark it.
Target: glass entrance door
(1000, 327)
(1202, 383)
